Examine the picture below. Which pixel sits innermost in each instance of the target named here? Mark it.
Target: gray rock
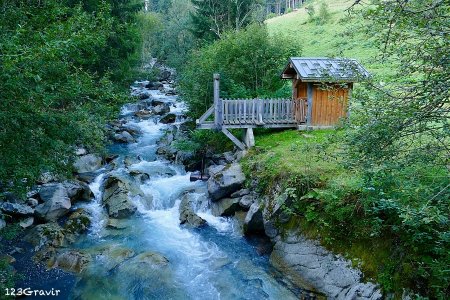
(240, 193)
(154, 85)
(225, 207)
(143, 113)
(72, 261)
(246, 201)
(116, 224)
(87, 177)
(308, 264)
(187, 214)
(78, 222)
(78, 190)
(169, 118)
(44, 235)
(25, 223)
(2, 224)
(46, 177)
(124, 137)
(229, 157)
(56, 202)
(131, 160)
(224, 181)
(87, 163)
(254, 222)
(16, 209)
(32, 202)
(80, 151)
(115, 197)
(161, 109)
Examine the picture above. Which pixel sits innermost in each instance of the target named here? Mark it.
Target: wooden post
(309, 93)
(249, 138)
(217, 102)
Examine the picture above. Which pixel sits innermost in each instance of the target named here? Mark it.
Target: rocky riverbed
(132, 225)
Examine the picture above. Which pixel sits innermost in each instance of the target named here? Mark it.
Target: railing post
(217, 103)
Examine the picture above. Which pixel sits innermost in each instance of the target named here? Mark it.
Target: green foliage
(204, 142)
(60, 69)
(321, 17)
(248, 61)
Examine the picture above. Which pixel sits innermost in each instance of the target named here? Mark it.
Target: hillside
(335, 37)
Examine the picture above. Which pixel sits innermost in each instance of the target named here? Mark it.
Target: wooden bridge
(252, 113)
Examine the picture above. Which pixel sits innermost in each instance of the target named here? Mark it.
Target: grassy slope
(334, 38)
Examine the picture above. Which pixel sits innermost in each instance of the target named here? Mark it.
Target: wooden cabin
(325, 84)
(321, 88)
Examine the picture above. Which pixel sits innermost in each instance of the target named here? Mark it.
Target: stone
(78, 222)
(169, 118)
(86, 177)
(254, 222)
(116, 224)
(25, 223)
(164, 75)
(130, 160)
(225, 181)
(72, 261)
(46, 177)
(307, 263)
(240, 193)
(78, 190)
(2, 224)
(44, 235)
(246, 201)
(154, 85)
(87, 163)
(187, 215)
(56, 202)
(16, 209)
(80, 151)
(32, 202)
(161, 109)
(225, 207)
(124, 137)
(115, 197)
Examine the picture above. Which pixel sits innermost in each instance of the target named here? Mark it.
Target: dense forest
(380, 179)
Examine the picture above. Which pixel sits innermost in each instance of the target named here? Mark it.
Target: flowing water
(214, 262)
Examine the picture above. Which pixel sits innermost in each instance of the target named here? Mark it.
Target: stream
(213, 262)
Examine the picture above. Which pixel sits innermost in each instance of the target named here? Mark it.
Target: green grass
(336, 37)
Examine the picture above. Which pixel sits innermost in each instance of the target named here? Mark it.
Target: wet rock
(154, 85)
(15, 209)
(44, 235)
(130, 160)
(143, 113)
(115, 255)
(224, 180)
(32, 202)
(225, 207)
(240, 193)
(161, 109)
(116, 224)
(77, 190)
(2, 224)
(25, 223)
(80, 151)
(246, 201)
(87, 163)
(306, 262)
(124, 137)
(78, 222)
(72, 261)
(169, 118)
(115, 197)
(56, 202)
(187, 215)
(254, 222)
(86, 177)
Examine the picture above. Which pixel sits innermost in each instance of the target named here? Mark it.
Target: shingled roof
(323, 69)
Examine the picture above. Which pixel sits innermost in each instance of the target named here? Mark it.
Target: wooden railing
(263, 112)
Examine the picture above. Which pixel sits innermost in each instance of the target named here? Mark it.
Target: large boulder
(87, 163)
(56, 202)
(254, 222)
(78, 190)
(169, 118)
(161, 109)
(72, 261)
(115, 197)
(46, 235)
(78, 222)
(187, 215)
(16, 209)
(225, 207)
(224, 180)
(124, 137)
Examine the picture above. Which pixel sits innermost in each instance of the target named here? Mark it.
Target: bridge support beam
(234, 139)
(249, 138)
